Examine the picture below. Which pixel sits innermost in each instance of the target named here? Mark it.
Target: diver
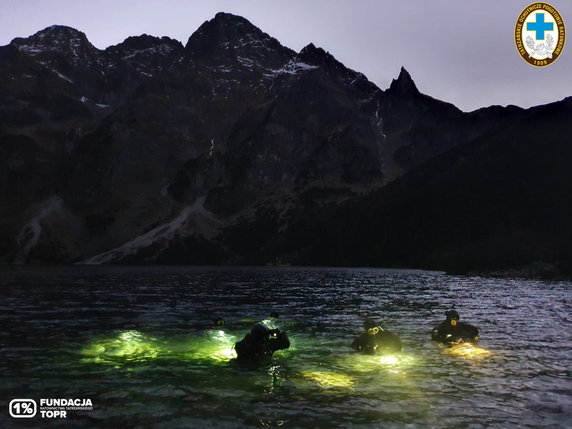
(272, 321)
(260, 342)
(375, 339)
(453, 331)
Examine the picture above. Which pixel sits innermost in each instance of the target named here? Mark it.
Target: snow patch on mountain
(162, 50)
(246, 62)
(294, 67)
(378, 120)
(61, 75)
(34, 49)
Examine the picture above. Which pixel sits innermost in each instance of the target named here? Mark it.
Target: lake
(139, 342)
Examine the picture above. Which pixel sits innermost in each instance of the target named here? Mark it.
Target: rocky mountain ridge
(213, 152)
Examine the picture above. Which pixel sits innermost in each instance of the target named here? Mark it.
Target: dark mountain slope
(502, 201)
(236, 149)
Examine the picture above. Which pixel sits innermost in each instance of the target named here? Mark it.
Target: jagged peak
(145, 41)
(319, 57)
(225, 28)
(54, 32)
(230, 36)
(316, 55)
(224, 20)
(310, 47)
(61, 29)
(54, 38)
(229, 18)
(404, 84)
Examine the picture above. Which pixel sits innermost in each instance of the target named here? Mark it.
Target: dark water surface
(137, 342)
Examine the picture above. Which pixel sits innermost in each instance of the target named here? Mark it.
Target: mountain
(230, 149)
(500, 202)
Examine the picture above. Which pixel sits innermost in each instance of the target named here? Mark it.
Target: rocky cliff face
(500, 201)
(212, 152)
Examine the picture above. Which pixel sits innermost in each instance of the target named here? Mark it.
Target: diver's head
(274, 314)
(371, 327)
(259, 331)
(368, 324)
(219, 321)
(452, 316)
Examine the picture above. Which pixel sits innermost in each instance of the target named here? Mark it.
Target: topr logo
(539, 34)
(52, 408)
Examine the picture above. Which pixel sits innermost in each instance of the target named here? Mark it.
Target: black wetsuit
(260, 342)
(381, 342)
(460, 333)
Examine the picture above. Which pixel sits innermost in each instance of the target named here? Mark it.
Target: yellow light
(467, 351)
(130, 335)
(93, 350)
(328, 379)
(389, 360)
(134, 346)
(362, 363)
(226, 353)
(219, 335)
(214, 345)
(128, 345)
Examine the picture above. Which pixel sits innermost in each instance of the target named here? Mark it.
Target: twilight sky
(459, 51)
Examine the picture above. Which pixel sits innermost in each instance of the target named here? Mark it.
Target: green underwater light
(389, 360)
(329, 379)
(222, 346)
(127, 345)
(213, 345)
(394, 363)
(467, 351)
(133, 346)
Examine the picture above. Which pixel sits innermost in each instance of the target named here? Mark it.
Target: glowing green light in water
(467, 351)
(223, 349)
(128, 345)
(134, 346)
(395, 363)
(329, 379)
(388, 360)
(215, 345)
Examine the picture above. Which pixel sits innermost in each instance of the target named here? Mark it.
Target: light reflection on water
(141, 344)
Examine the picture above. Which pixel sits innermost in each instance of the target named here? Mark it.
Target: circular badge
(540, 34)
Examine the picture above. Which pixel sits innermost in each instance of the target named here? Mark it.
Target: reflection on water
(141, 343)
(327, 379)
(127, 347)
(467, 351)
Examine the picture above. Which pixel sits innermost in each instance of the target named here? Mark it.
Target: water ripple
(141, 344)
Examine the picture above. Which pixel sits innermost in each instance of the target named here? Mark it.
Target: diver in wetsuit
(261, 341)
(453, 331)
(376, 340)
